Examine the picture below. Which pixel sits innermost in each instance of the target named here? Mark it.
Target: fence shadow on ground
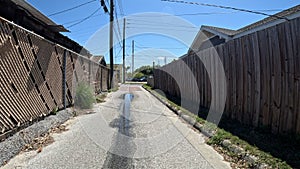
(285, 146)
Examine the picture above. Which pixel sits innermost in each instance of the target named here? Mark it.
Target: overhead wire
(138, 45)
(118, 32)
(215, 13)
(121, 7)
(225, 7)
(199, 13)
(155, 28)
(161, 25)
(148, 47)
(69, 22)
(84, 19)
(72, 8)
(119, 41)
(118, 25)
(117, 55)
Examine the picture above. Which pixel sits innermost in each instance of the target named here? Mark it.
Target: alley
(132, 129)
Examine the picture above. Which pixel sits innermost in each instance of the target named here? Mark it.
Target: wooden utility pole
(132, 65)
(124, 25)
(153, 66)
(111, 41)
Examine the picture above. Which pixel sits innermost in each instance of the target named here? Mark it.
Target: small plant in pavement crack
(100, 98)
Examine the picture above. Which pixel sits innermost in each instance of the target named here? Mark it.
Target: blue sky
(159, 29)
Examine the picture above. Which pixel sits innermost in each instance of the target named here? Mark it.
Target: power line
(149, 47)
(158, 27)
(138, 45)
(69, 22)
(84, 19)
(84, 29)
(225, 7)
(117, 54)
(200, 13)
(184, 30)
(162, 25)
(184, 14)
(118, 25)
(69, 9)
(118, 31)
(117, 35)
(121, 7)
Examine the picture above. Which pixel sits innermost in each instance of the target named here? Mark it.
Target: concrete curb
(14, 144)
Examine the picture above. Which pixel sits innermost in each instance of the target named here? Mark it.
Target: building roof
(284, 15)
(35, 14)
(207, 34)
(262, 24)
(225, 31)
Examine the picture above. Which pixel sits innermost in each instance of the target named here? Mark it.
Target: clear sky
(159, 29)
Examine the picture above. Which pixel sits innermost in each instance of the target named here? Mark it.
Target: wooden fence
(262, 72)
(31, 76)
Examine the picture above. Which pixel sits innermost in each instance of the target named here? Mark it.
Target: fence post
(64, 85)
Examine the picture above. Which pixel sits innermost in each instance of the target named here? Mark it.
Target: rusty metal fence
(32, 76)
(263, 78)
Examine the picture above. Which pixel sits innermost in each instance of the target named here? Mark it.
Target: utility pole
(153, 66)
(111, 36)
(124, 25)
(165, 60)
(132, 65)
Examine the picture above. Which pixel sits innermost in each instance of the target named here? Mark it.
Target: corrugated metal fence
(31, 76)
(263, 77)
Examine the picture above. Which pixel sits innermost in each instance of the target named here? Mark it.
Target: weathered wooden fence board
(31, 76)
(262, 72)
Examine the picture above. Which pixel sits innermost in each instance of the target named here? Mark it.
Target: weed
(113, 90)
(84, 97)
(100, 98)
(200, 120)
(74, 113)
(147, 87)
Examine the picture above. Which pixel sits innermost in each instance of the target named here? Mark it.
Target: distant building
(117, 71)
(99, 59)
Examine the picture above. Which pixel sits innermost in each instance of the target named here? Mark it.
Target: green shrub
(139, 75)
(84, 98)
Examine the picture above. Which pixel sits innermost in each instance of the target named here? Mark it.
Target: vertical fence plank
(248, 81)
(295, 34)
(276, 79)
(284, 78)
(290, 62)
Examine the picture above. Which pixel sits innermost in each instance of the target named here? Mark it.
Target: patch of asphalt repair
(13, 145)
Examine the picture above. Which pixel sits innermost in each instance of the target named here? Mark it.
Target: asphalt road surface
(132, 129)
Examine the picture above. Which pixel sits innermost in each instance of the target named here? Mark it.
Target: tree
(143, 71)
